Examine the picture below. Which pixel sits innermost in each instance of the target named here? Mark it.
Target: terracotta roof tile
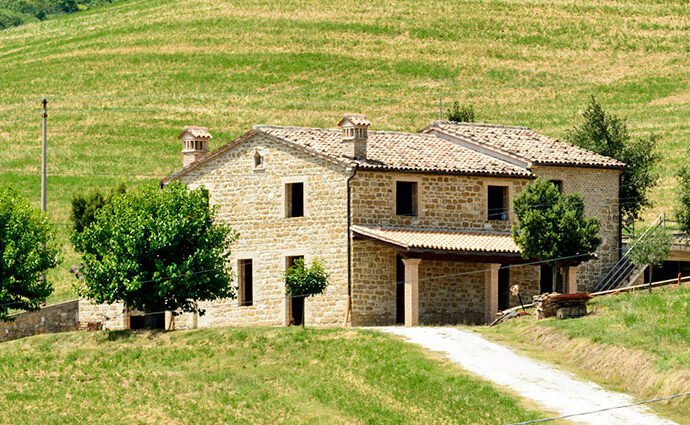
(197, 132)
(356, 119)
(399, 151)
(444, 240)
(524, 143)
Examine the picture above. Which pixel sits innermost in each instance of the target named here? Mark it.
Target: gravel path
(546, 385)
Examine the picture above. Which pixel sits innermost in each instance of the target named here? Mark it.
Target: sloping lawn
(637, 342)
(243, 376)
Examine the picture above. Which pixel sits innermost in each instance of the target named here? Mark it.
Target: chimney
(194, 144)
(355, 135)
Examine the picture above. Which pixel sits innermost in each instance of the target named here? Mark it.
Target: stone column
(572, 280)
(491, 291)
(411, 291)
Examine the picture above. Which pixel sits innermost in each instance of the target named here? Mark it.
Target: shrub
(461, 114)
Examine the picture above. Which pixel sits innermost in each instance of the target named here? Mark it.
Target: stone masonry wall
(103, 316)
(62, 317)
(373, 283)
(599, 188)
(449, 291)
(445, 201)
(252, 200)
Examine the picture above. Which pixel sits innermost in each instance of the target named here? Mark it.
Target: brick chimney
(194, 144)
(355, 135)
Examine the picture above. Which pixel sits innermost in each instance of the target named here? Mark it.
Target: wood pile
(562, 306)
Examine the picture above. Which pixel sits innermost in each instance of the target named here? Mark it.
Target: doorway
(296, 303)
(399, 290)
(546, 279)
(503, 288)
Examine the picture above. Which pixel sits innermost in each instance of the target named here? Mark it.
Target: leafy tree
(301, 281)
(464, 113)
(156, 250)
(553, 226)
(27, 251)
(608, 134)
(84, 207)
(651, 250)
(683, 207)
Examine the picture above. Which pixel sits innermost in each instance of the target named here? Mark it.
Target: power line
(653, 400)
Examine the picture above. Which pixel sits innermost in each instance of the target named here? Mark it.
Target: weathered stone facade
(445, 201)
(599, 188)
(252, 200)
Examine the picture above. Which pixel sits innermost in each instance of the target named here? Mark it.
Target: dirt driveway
(546, 385)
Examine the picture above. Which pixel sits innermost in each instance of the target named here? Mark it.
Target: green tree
(608, 135)
(84, 207)
(682, 210)
(301, 281)
(27, 251)
(464, 113)
(553, 226)
(156, 250)
(651, 250)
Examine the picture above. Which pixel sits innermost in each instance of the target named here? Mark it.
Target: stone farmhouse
(412, 227)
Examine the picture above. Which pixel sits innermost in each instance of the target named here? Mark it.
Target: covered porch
(439, 276)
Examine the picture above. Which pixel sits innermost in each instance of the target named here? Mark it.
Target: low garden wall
(61, 317)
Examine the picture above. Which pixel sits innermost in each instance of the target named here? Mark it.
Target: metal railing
(624, 272)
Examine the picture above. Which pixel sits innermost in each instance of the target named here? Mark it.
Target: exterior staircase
(624, 273)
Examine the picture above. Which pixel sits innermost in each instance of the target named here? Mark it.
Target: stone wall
(373, 283)
(252, 200)
(103, 316)
(445, 201)
(449, 291)
(599, 188)
(62, 317)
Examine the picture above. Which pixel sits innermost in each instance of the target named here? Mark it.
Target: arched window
(258, 160)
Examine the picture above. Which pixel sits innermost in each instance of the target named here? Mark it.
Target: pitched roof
(524, 143)
(393, 151)
(356, 119)
(196, 132)
(442, 240)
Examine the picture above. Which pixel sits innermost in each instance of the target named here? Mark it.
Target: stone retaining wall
(62, 317)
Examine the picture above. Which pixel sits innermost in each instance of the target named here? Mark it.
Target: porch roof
(451, 241)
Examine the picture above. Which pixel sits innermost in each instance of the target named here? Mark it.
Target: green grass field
(240, 376)
(638, 342)
(122, 80)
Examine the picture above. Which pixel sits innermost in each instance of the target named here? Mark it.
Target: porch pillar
(572, 280)
(411, 291)
(491, 291)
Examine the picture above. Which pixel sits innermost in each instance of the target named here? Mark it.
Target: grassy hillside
(18, 12)
(637, 342)
(123, 80)
(239, 376)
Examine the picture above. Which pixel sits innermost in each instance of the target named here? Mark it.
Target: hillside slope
(122, 80)
(239, 376)
(637, 342)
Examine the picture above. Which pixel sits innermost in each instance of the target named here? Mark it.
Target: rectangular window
(559, 184)
(246, 272)
(294, 196)
(406, 198)
(497, 203)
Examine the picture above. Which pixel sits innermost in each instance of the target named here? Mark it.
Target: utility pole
(44, 165)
